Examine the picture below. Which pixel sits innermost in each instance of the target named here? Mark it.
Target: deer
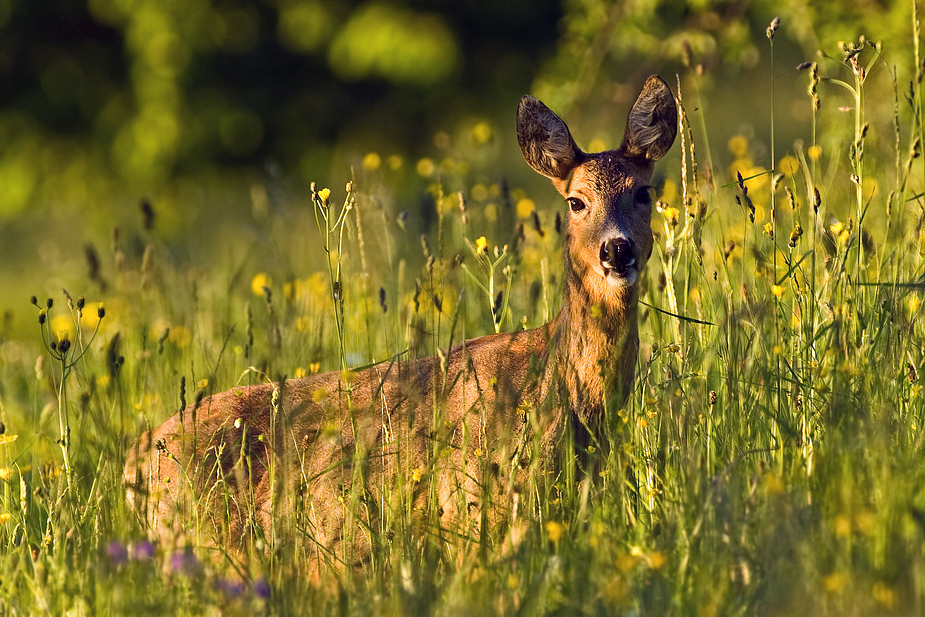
(330, 452)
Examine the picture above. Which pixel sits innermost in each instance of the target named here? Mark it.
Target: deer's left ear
(652, 122)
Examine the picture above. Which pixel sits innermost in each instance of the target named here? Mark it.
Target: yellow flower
(416, 473)
(324, 194)
(319, 394)
(480, 245)
(597, 145)
(788, 166)
(261, 280)
(672, 214)
(777, 290)
(554, 530)
(834, 582)
(842, 526)
(372, 161)
(814, 152)
(314, 367)
(657, 559)
(180, 336)
(426, 168)
(480, 133)
(525, 208)
(299, 373)
(738, 145)
(202, 384)
(884, 594)
(63, 327)
(5, 473)
(5, 517)
(625, 563)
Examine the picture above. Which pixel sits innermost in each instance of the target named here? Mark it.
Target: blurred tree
(136, 92)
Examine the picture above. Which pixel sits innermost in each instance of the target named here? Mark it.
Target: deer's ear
(545, 140)
(652, 122)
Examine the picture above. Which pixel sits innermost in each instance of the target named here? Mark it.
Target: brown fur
(329, 457)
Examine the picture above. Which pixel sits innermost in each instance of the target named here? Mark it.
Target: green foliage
(769, 460)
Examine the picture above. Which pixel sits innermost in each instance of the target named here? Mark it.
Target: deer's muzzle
(618, 257)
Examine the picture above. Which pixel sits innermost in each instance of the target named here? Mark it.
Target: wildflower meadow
(770, 459)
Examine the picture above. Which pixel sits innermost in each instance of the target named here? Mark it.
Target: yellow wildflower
(738, 145)
(372, 161)
(481, 245)
(554, 530)
(426, 168)
(525, 208)
(671, 215)
(261, 280)
(788, 166)
(834, 582)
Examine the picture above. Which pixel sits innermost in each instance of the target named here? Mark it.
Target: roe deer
(450, 433)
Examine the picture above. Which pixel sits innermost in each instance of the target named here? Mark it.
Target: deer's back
(320, 449)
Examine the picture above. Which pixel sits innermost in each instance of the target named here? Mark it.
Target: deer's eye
(644, 196)
(576, 205)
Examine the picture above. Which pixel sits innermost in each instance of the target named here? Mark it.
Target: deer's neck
(596, 344)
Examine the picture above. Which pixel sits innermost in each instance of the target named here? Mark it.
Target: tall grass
(769, 461)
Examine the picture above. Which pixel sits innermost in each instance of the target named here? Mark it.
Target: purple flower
(184, 562)
(229, 587)
(143, 551)
(117, 553)
(262, 588)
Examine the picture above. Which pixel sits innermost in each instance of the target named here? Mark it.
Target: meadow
(769, 460)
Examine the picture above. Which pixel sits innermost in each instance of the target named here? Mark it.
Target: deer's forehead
(608, 175)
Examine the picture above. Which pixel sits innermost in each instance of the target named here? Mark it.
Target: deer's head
(609, 235)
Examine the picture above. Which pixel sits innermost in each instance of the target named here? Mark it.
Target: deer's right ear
(545, 140)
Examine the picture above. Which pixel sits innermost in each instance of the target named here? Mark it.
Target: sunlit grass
(770, 459)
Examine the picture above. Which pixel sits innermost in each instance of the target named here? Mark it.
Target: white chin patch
(625, 279)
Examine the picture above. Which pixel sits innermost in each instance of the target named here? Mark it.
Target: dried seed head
(795, 235)
(687, 53)
(776, 180)
(772, 29)
(147, 214)
(425, 244)
(712, 397)
(537, 225)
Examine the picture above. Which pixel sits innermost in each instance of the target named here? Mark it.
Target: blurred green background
(183, 120)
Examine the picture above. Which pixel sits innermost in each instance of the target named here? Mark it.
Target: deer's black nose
(618, 254)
